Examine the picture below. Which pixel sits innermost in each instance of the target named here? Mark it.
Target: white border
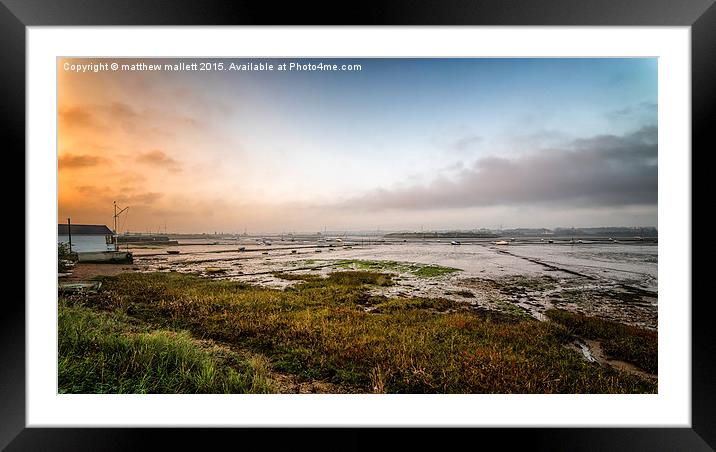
(671, 407)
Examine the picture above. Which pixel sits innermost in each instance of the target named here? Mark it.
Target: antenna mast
(116, 214)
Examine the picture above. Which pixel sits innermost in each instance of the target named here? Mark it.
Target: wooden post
(69, 232)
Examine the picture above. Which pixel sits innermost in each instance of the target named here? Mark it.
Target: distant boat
(455, 242)
(172, 251)
(550, 241)
(502, 242)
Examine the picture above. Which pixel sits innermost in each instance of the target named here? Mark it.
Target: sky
(398, 144)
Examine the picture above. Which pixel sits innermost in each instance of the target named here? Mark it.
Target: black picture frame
(16, 15)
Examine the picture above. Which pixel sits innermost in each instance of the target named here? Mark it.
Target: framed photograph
(419, 216)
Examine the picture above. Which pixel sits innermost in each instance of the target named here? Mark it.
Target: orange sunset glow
(123, 139)
(398, 144)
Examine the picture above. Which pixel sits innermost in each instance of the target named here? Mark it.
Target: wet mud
(612, 281)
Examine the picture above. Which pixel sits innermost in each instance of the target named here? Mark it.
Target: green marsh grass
(419, 270)
(335, 330)
(103, 352)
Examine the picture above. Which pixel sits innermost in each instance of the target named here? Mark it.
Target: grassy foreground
(112, 353)
(147, 333)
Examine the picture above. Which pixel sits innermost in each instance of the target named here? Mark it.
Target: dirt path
(84, 270)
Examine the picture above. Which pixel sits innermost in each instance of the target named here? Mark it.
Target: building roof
(84, 229)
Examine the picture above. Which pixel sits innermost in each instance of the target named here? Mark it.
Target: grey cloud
(604, 170)
(105, 194)
(461, 140)
(80, 161)
(118, 115)
(539, 139)
(649, 109)
(466, 142)
(100, 117)
(160, 159)
(140, 198)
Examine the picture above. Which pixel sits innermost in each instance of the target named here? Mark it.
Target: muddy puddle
(593, 352)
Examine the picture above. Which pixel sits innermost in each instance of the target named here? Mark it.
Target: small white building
(87, 238)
